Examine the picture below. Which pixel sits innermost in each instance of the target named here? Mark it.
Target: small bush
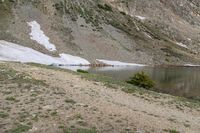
(82, 71)
(123, 13)
(70, 101)
(142, 80)
(20, 129)
(105, 7)
(173, 131)
(3, 114)
(81, 130)
(10, 99)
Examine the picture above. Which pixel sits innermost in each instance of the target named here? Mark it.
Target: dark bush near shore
(142, 80)
(82, 71)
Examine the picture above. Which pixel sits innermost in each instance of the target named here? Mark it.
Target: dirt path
(73, 102)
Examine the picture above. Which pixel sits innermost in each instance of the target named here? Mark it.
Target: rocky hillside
(139, 31)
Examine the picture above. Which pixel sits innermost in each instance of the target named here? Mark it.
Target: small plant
(3, 114)
(142, 80)
(123, 13)
(70, 101)
(54, 113)
(82, 71)
(78, 116)
(173, 131)
(20, 129)
(10, 99)
(81, 130)
(105, 7)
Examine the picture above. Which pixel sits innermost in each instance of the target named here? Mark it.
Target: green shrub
(173, 131)
(81, 130)
(142, 80)
(123, 13)
(3, 114)
(19, 129)
(105, 7)
(82, 71)
(10, 99)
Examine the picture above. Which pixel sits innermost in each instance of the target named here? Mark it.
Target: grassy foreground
(37, 98)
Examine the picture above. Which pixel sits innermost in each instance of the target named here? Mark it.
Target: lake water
(178, 81)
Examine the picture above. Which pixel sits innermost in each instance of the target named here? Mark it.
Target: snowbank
(118, 63)
(140, 17)
(191, 65)
(181, 44)
(38, 35)
(73, 59)
(14, 52)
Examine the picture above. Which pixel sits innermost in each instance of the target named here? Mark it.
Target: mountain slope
(139, 31)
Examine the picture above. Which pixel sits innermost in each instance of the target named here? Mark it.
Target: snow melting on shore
(140, 17)
(118, 63)
(191, 65)
(181, 44)
(38, 35)
(14, 52)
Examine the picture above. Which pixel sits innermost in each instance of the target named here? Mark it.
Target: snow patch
(14, 52)
(73, 59)
(147, 35)
(118, 63)
(181, 44)
(140, 17)
(38, 35)
(191, 65)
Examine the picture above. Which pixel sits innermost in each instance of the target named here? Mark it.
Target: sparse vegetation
(123, 13)
(142, 80)
(10, 98)
(173, 131)
(54, 113)
(70, 101)
(19, 129)
(80, 130)
(3, 114)
(42, 109)
(105, 7)
(10, 75)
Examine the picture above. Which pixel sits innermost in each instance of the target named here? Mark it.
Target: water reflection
(179, 81)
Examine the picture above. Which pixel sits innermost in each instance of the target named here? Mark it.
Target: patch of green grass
(8, 74)
(78, 116)
(35, 118)
(19, 129)
(11, 99)
(185, 102)
(82, 71)
(23, 116)
(70, 101)
(123, 13)
(173, 131)
(3, 115)
(105, 7)
(54, 113)
(80, 130)
(49, 67)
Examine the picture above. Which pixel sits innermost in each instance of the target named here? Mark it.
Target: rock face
(138, 31)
